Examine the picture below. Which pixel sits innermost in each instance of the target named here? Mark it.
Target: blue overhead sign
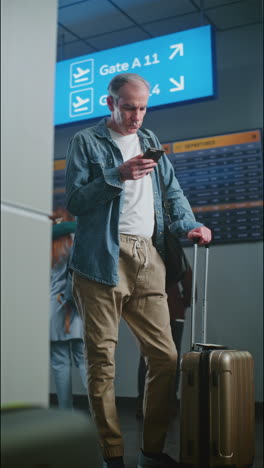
(179, 67)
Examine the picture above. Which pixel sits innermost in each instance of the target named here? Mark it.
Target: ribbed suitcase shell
(231, 413)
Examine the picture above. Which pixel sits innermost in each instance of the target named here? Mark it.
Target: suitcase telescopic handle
(193, 292)
(204, 309)
(193, 297)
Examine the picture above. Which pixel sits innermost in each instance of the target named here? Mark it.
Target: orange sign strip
(216, 141)
(227, 206)
(167, 147)
(59, 164)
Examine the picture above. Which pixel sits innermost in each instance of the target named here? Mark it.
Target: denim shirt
(95, 195)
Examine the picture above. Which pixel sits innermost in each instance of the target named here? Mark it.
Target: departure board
(222, 177)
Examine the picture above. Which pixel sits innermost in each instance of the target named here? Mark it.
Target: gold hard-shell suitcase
(217, 427)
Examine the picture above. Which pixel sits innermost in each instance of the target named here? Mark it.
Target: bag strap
(164, 196)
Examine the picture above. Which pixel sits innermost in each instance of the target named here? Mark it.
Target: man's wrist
(121, 177)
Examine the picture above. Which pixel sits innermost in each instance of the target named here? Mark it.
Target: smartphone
(153, 153)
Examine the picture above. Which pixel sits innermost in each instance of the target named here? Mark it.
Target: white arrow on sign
(178, 48)
(179, 85)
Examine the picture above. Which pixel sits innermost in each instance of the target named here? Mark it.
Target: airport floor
(132, 427)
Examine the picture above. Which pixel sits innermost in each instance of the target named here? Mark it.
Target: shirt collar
(101, 130)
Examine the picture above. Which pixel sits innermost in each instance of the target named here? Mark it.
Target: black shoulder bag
(175, 259)
(176, 262)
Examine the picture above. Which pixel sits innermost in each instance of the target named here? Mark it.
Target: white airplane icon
(80, 102)
(80, 73)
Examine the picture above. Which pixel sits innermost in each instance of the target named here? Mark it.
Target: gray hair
(120, 80)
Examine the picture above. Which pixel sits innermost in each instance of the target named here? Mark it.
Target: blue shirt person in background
(117, 262)
(66, 329)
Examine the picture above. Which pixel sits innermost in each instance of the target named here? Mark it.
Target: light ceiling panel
(73, 49)
(236, 14)
(93, 17)
(214, 3)
(66, 3)
(150, 10)
(118, 38)
(64, 36)
(159, 28)
(104, 24)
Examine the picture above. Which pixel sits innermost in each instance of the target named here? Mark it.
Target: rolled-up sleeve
(182, 217)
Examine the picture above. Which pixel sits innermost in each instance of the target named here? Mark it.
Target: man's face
(128, 113)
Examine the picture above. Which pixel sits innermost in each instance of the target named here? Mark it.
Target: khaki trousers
(141, 300)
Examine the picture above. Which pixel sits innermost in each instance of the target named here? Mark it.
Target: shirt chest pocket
(100, 159)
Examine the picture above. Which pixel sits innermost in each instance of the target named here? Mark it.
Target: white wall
(235, 289)
(28, 54)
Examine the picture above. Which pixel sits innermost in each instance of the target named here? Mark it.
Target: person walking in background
(179, 299)
(117, 262)
(66, 329)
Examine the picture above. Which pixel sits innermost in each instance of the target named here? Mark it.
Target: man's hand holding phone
(153, 153)
(136, 168)
(141, 165)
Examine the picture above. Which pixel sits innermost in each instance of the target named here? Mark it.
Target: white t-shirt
(137, 216)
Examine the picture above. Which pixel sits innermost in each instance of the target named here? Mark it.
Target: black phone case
(153, 153)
